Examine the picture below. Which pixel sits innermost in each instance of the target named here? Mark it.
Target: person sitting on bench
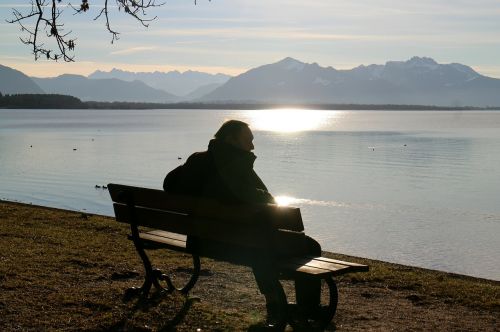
(225, 172)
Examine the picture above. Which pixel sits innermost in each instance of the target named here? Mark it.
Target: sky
(232, 36)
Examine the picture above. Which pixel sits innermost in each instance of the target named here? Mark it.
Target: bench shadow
(179, 317)
(145, 304)
(261, 327)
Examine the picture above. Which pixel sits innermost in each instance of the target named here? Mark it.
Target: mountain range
(174, 82)
(107, 89)
(419, 80)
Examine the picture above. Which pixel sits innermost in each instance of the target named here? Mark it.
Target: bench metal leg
(151, 278)
(154, 276)
(327, 313)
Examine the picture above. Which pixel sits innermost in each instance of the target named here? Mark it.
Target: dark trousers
(307, 290)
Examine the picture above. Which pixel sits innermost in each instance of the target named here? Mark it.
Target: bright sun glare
(289, 120)
(284, 200)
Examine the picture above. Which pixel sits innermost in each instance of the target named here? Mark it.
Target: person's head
(236, 133)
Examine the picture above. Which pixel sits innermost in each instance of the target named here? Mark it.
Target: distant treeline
(63, 101)
(40, 101)
(260, 106)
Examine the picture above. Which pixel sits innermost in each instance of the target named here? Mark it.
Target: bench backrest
(249, 225)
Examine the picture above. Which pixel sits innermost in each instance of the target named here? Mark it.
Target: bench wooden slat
(171, 243)
(163, 220)
(169, 235)
(153, 198)
(280, 217)
(319, 264)
(285, 217)
(290, 268)
(354, 267)
(329, 266)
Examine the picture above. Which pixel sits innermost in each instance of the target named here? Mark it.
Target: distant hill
(175, 82)
(13, 82)
(103, 89)
(419, 81)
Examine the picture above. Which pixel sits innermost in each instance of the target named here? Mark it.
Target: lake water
(415, 187)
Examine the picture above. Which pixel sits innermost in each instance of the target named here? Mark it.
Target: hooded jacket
(223, 172)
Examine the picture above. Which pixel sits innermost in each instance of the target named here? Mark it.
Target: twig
(49, 22)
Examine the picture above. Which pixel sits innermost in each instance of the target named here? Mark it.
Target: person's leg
(307, 289)
(269, 285)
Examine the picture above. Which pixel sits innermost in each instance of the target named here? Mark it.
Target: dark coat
(223, 172)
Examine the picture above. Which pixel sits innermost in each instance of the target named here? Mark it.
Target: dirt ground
(63, 270)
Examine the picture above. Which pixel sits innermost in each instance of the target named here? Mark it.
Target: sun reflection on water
(283, 200)
(291, 120)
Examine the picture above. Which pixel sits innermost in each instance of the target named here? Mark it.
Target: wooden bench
(240, 234)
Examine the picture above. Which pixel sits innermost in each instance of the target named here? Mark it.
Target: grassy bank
(62, 270)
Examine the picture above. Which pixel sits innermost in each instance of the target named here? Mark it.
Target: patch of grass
(469, 291)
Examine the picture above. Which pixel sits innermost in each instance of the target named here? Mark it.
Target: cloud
(15, 5)
(491, 71)
(17, 58)
(132, 50)
(294, 34)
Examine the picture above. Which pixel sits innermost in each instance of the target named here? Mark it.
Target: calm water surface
(420, 188)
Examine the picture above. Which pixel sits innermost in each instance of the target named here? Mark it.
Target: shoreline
(66, 270)
(55, 101)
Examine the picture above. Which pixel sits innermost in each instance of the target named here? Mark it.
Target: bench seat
(321, 267)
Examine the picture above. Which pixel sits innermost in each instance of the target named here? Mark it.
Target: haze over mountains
(175, 82)
(419, 80)
(108, 89)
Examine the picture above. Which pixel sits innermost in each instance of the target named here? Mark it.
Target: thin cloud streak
(133, 50)
(233, 52)
(307, 35)
(491, 71)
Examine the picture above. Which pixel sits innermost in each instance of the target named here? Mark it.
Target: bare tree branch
(42, 23)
